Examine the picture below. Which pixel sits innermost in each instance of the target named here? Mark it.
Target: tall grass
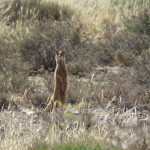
(71, 131)
(107, 105)
(98, 11)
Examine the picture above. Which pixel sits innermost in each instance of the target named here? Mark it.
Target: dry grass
(126, 130)
(108, 51)
(93, 111)
(113, 10)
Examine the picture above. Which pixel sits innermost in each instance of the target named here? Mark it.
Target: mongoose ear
(63, 52)
(57, 52)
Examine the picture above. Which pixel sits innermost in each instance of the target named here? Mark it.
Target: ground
(122, 128)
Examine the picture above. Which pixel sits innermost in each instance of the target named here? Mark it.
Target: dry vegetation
(108, 51)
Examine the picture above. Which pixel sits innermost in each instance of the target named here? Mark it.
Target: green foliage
(69, 110)
(140, 24)
(40, 146)
(83, 145)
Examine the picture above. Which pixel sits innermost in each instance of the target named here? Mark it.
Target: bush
(142, 77)
(142, 68)
(79, 68)
(77, 91)
(122, 57)
(136, 22)
(40, 146)
(79, 146)
(128, 3)
(4, 101)
(14, 78)
(13, 74)
(139, 24)
(39, 47)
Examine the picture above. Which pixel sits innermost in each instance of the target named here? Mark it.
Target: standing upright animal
(60, 78)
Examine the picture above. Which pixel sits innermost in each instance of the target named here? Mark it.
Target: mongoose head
(60, 56)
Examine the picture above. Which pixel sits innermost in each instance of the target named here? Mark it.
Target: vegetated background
(107, 44)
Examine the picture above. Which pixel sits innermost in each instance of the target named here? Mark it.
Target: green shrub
(73, 146)
(83, 145)
(40, 146)
(140, 23)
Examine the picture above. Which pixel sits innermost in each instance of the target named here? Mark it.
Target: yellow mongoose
(60, 79)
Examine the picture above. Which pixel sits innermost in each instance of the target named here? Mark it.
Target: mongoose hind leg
(49, 106)
(63, 99)
(54, 102)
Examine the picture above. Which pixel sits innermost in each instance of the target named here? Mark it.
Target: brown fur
(60, 78)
